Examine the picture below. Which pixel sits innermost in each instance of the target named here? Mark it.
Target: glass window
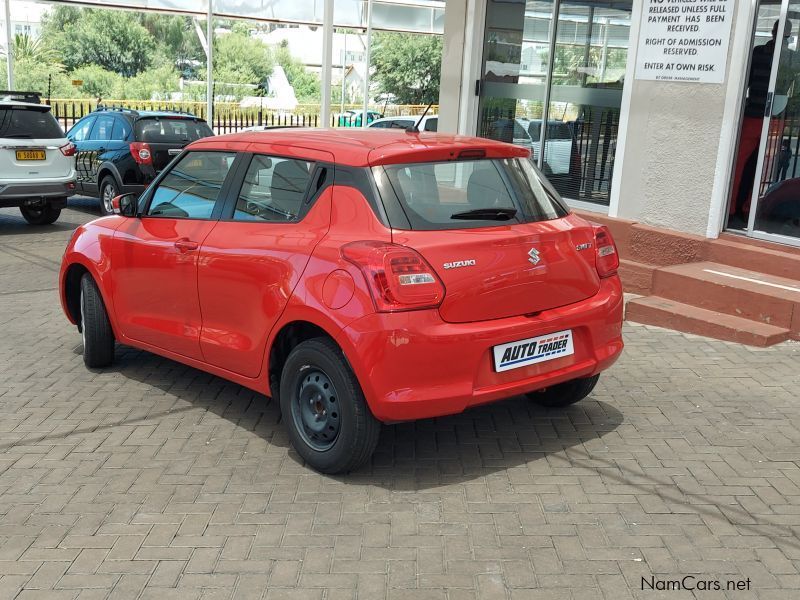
(586, 80)
(170, 130)
(122, 129)
(102, 128)
(80, 131)
(432, 124)
(451, 195)
(273, 189)
(29, 123)
(191, 189)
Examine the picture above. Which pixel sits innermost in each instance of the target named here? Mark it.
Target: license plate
(31, 155)
(533, 350)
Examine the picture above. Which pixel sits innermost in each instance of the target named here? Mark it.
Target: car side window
(192, 187)
(432, 124)
(121, 131)
(80, 131)
(102, 128)
(273, 189)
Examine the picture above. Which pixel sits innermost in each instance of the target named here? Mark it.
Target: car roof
(6, 102)
(363, 147)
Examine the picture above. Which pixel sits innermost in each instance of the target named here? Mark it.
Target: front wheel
(564, 394)
(46, 215)
(98, 337)
(326, 414)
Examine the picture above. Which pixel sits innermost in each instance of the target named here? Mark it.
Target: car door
(154, 256)
(79, 135)
(96, 148)
(253, 259)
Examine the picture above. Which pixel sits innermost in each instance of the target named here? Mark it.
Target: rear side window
(457, 195)
(432, 124)
(29, 123)
(191, 189)
(102, 128)
(164, 130)
(273, 189)
(122, 129)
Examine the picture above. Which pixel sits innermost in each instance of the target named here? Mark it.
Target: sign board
(77, 82)
(684, 40)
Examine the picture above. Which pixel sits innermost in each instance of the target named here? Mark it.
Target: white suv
(37, 161)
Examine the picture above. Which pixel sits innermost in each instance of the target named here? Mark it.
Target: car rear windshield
(165, 130)
(23, 122)
(469, 193)
(555, 131)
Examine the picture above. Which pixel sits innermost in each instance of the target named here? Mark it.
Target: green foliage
(32, 75)
(97, 81)
(407, 66)
(26, 47)
(239, 58)
(112, 39)
(307, 86)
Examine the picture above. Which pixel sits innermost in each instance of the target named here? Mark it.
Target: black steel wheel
(564, 394)
(327, 417)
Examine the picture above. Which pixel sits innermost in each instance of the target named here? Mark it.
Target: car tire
(564, 394)
(108, 191)
(329, 422)
(98, 337)
(46, 215)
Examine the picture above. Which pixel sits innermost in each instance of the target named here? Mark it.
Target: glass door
(776, 193)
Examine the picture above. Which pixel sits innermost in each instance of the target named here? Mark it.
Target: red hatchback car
(357, 277)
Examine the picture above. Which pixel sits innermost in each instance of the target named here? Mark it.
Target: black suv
(120, 151)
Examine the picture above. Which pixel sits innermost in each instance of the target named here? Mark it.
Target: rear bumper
(14, 194)
(413, 365)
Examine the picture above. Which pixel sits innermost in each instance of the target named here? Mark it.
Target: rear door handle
(185, 245)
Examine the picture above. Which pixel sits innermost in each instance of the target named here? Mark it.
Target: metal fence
(230, 116)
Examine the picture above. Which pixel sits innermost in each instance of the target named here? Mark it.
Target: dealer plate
(533, 350)
(31, 155)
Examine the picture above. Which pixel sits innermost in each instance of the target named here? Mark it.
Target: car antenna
(415, 128)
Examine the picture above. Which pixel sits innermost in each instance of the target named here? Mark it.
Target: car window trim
(306, 203)
(224, 192)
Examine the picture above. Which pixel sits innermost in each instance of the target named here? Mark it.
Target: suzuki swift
(356, 277)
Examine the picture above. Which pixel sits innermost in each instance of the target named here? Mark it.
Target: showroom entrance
(765, 193)
(551, 80)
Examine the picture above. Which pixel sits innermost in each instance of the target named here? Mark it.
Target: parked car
(37, 162)
(429, 122)
(121, 151)
(354, 277)
(560, 150)
(352, 118)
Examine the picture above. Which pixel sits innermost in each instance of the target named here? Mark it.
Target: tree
(238, 58)
(26, 47)
(407, 66)
(307, 85)
(112, 39)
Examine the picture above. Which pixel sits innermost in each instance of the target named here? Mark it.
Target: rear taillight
(68, 149)
(397, 276)
(606, 257)
(141, 153)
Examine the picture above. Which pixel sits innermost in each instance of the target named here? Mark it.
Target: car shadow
(413, 456)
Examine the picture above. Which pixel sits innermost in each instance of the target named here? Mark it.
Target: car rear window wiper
(486, 214)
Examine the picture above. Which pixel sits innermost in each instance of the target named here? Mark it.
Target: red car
(357, 277)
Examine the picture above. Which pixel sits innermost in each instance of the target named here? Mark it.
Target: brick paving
(154, 480)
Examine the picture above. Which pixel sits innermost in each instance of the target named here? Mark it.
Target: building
(681, 142)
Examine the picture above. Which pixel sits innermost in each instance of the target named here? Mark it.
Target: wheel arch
(108, 168)
(289, 335)
(71, 290)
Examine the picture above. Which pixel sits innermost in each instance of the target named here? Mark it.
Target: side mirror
(125, 205)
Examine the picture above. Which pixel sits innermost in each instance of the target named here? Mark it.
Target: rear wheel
(108, 191)
(45, 215)
(98, 338)
(565, 393)
(326, 414)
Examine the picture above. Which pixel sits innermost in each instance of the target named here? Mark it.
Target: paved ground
(154, 480)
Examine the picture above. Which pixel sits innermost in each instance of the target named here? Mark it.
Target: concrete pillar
(676, 140)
